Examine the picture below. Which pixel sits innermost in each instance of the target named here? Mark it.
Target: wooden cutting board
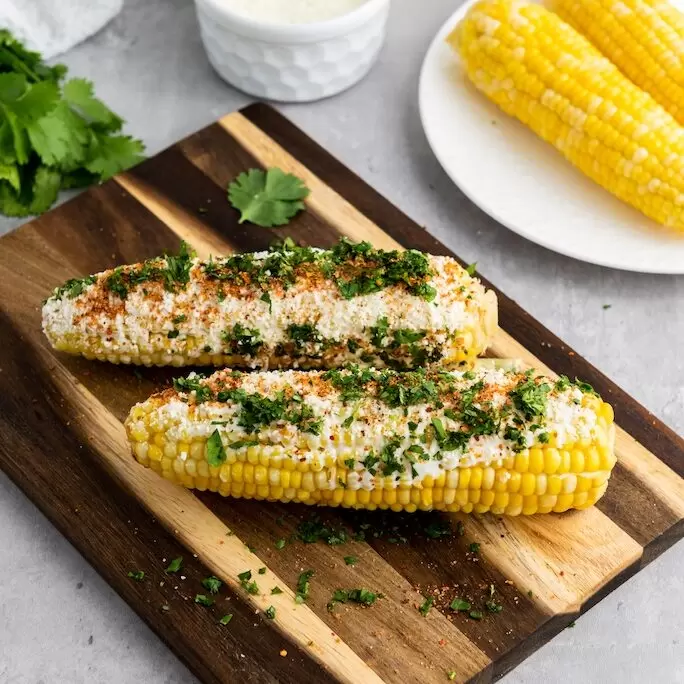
(64, 445)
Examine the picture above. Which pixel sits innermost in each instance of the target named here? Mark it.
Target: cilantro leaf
(216, 454)
(175, 565)
(267, 198)
(212, 584)
(112, 154)
(79, 94)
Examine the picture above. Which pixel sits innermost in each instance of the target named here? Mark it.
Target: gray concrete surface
(61, 624)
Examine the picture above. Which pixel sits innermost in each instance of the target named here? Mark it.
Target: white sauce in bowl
(291, 11)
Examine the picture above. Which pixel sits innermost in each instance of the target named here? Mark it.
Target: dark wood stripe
(104, 227)
(446, 569)
(631, 416)
(222, 158)
(116, 535)
(636, 507)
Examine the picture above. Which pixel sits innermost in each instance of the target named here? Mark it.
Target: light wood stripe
(188, 227)
(661, 480)
(562, 559)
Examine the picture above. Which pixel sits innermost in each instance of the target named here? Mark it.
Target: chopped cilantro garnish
(204, 600)
(193, 384)
(212, 584)
(270, 612)
(363, 596)
(137, 575)
(172, 334)
(74, 287)
(459, 604)
(311, 530)
(471, 268)
(179, 319)
(276, 590)
(351, 560)
(438, 529)
(226, 619)
(474, 547)
(451, 675)
(215, 452)
(266, 297)
(475, 615)
(175, 565)
(303, 584)
(493, 607)
(530, 397)
(426, 605)
(262, 571)
(280, 544)
(242, 341)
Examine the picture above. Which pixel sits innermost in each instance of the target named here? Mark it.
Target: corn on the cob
(540, 70)
(290, 307)
(487, 439)
(643, 38)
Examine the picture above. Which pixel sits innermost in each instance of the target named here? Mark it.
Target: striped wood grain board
(64, 445)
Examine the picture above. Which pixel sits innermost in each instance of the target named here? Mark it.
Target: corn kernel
(536, 461)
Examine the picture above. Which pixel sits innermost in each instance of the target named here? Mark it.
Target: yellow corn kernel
(577, 461)
(552, 460)
(528, 484)
(260, 475)
(522, 462)
(536, 461)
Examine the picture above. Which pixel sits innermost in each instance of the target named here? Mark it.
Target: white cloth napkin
(53, 26)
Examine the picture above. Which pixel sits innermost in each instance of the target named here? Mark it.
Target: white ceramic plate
(524, 183)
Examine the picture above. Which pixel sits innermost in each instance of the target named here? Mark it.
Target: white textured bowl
(292, 62)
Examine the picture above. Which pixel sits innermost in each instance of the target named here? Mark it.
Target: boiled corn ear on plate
(497, 59)
(490, 439)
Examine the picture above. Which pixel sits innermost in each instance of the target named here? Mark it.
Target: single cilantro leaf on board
(267, 198)
(111, 154)
(80, 95)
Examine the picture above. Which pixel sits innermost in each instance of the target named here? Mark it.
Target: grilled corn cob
(487, 439)
(290, 307)
(539, 69)
(643, 38)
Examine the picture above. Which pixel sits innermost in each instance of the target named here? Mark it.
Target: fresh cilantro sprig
(54, 134)
(267, 198)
